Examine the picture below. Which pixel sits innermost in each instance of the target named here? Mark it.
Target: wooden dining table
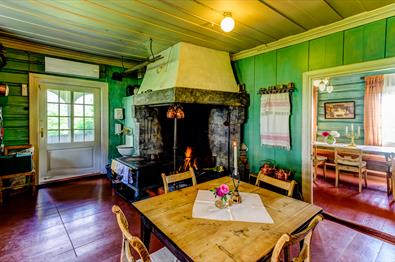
(169, 217)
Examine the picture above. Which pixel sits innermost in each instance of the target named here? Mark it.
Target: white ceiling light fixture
(227, 23)
(324, 86)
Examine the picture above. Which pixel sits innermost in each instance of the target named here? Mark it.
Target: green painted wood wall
(16, 106)
(346, 88)
(368, 42)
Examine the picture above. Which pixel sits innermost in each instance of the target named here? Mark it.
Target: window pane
(78, 98)
(65, 136)
(78, 123)
(88, 110)
(64, 109)
(65, 96)
(53, 96)
(78, 135)
(53, 137)
(64, 122)
(52, 109)
(78, 110)
(89, 135)
(88, 99)
(89, 123)
(53, 123)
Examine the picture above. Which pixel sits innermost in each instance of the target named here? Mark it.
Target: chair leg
(337, 177)
(324, 170)
(315, 170)
(360, 181)
(34, 184)
(366, 178)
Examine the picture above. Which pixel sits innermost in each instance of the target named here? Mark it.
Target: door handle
(42, 132)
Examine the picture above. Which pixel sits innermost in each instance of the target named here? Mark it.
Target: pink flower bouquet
(330, 137)
(222, 192)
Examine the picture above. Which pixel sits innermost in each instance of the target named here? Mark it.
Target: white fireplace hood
(186, 65)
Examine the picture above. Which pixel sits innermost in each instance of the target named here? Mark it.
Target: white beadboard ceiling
(122, 28)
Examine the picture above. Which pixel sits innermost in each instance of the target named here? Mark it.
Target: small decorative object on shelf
(330, 137)
(223, 193)
(352, 135)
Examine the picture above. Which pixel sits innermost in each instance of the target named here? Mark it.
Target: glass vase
(219, 203)
(330, 140)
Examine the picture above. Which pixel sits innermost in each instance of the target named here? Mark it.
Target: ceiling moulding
(344, 24)
(63, 53)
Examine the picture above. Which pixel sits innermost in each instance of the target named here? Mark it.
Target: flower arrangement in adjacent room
(330, 136)
(223, 193)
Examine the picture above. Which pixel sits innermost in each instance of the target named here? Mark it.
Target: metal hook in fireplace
(175, 112)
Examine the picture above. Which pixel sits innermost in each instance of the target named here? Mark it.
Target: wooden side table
(32, 173)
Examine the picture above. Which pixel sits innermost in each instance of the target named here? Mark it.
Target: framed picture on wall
(340, 110)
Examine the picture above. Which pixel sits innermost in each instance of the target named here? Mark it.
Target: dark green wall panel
(390, 44)
(374, 35)
(291, 63)
(353, 45)
(326, 51)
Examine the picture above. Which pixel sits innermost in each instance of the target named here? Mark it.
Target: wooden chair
(303, 237)
(177, 178)
(350, 159)
(318, 161)
(32, 173)
(288, 186)
(128, 240)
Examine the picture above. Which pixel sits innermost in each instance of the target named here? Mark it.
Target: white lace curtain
(388, 111)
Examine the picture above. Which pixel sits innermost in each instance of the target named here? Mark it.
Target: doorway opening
(340, 113)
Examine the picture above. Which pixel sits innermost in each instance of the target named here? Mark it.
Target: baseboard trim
(70, 180)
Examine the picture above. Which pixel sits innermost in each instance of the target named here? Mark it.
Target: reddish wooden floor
(73, 222)
(371, 207)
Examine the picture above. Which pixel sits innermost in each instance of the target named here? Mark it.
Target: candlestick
(235, 156)
(352, 135)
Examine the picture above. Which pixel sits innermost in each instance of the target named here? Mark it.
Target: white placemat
(250, 210)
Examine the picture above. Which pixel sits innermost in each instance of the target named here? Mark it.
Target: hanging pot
(4, 90)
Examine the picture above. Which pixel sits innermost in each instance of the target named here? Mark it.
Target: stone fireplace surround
(213, 120)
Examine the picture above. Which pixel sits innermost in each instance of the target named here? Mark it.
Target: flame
(188, 152)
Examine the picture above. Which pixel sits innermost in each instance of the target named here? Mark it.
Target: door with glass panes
(69, 131)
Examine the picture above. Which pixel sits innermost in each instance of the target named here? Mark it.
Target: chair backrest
(288, 186)
(345, 155)
(287, 240)
(129, 240)
(177, 178)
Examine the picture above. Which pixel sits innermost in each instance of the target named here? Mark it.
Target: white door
(70, 138)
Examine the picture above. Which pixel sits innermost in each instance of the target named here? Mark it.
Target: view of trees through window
(70, 116)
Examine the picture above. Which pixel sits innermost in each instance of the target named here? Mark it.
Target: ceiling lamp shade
(324, 85)
(227, 23)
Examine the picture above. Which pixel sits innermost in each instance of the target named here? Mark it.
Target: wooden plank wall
(347, 88)
(364, 43)
(16, 106)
